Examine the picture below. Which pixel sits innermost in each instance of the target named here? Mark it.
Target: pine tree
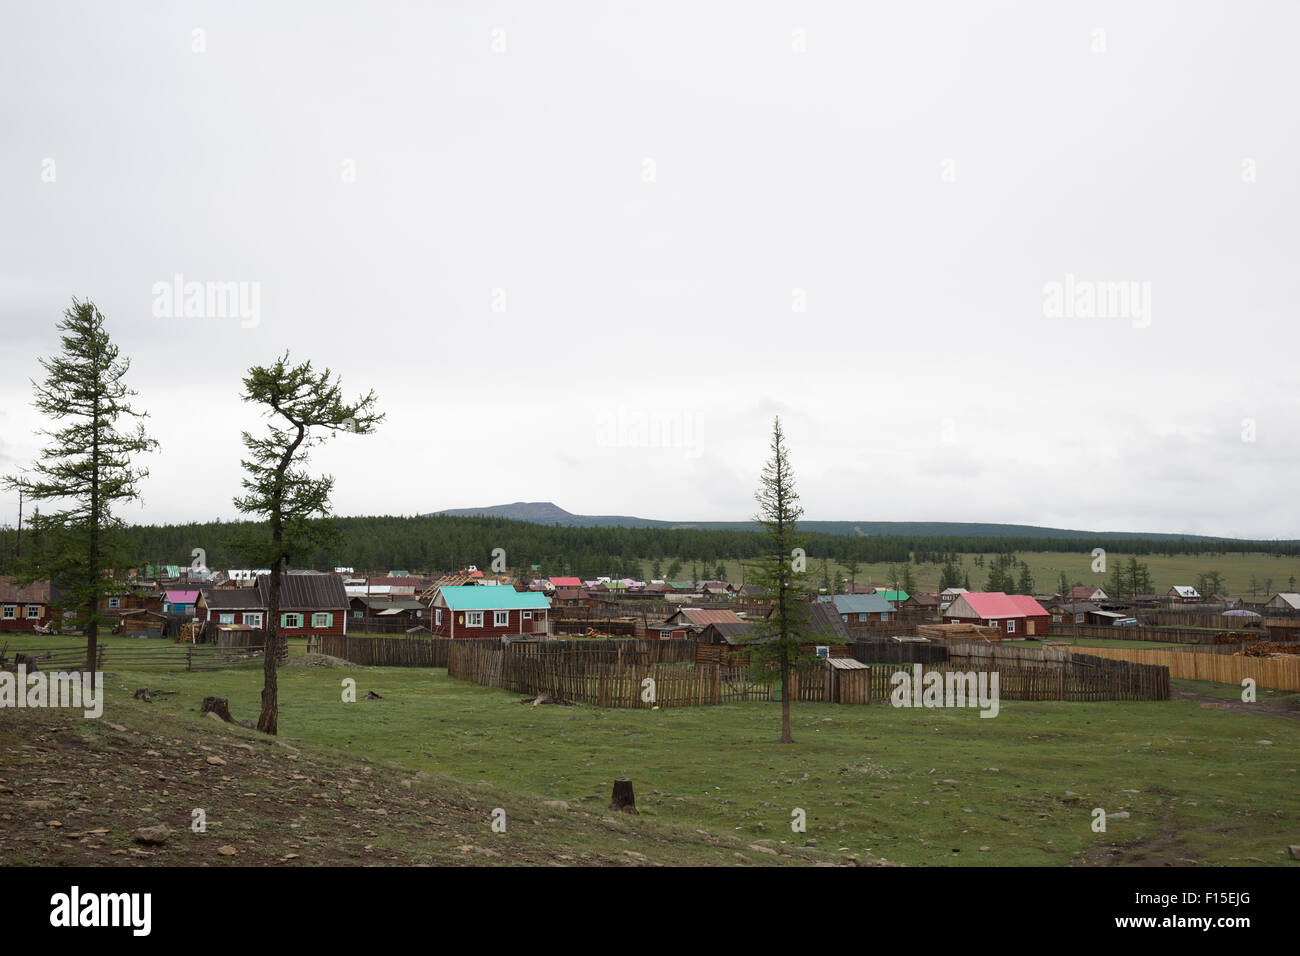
(279, 489)
(88, 466)
(780, 575)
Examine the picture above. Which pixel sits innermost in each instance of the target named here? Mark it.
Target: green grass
(1046, 567)
(912, 786)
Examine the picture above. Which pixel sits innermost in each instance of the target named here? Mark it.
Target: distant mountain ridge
(547, 512)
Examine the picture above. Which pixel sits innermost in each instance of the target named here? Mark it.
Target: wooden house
(311, 605)
(25, 608)
(1018, 615)
(1183, 594)
(486, 612)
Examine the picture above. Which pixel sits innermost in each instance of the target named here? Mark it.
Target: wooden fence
(1279, 673)
(1026, 673)
(192, 657)
(389, 651)
(1159, 635)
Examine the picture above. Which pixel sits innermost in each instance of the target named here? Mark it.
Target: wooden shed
(848, 681)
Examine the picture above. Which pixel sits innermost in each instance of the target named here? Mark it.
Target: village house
(1085, 592)
(25, 608)
(862, 608)
(483, 612)
(571, 597)
(311, 605)
(895, 598)
(387, 613)
(1184, 594)
(179, 601)
(232, 607)
(697, 619)
(922, 605)
(1284, 601)
(1018, 615)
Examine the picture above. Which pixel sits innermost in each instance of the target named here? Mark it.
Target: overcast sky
(584, 252)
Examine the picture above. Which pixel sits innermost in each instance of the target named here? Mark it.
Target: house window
(9, 612)
(358, 613)
(500, 618)
(884, 615)
(291, 620)
(437, 616)
(528, 615)
(115, 602)
(474, 619)
(33, 611)
(253, 619)
(227, 619)
(322, 619)
(1011, 627)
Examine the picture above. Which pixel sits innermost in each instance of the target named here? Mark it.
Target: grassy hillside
(1166, 570)
(911, 786)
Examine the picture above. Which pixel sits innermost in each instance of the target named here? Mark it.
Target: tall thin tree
(306, 408)
(88, 467)
(781, 575)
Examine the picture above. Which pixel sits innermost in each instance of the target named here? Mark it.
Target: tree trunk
(268, 722)
(219, 706)
(623, 799)
(785, 699)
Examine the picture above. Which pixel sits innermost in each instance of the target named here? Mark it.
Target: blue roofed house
(476, 611)
(862, 608)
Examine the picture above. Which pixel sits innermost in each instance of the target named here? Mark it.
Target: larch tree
(306, 408)
(87, 468)
(780, 574)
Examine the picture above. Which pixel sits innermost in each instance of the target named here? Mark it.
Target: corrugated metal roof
(307, 592)
(474, 598)
(862, 604)
(993, 605)
(38, 592)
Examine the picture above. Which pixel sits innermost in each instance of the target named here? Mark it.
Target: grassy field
(1046, 568)
(922, 787)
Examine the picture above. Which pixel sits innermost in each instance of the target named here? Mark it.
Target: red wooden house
(488, 612)
(25, 609)
(1016, 615)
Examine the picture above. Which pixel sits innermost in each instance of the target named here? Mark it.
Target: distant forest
(439, 543)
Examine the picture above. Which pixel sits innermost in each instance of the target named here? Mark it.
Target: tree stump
(623, 801)
(219, 706)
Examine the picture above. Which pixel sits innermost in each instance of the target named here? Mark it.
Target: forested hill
(442, 543)
(547, 512)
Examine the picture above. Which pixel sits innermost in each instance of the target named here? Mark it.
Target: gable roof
(1185, 590)
(182, 597)
(702, 617)
(1290, 598)
(891, 595)
(233, 599)
(862, 604)
(566, 582)
(475, 598)
(307, 592)
(992, 605)
(826, 621)
(38, 592)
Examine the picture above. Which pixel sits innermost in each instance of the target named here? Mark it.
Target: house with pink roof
(179, 602)
(1017, 615)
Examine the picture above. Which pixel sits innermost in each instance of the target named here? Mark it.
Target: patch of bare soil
(1262, 708)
